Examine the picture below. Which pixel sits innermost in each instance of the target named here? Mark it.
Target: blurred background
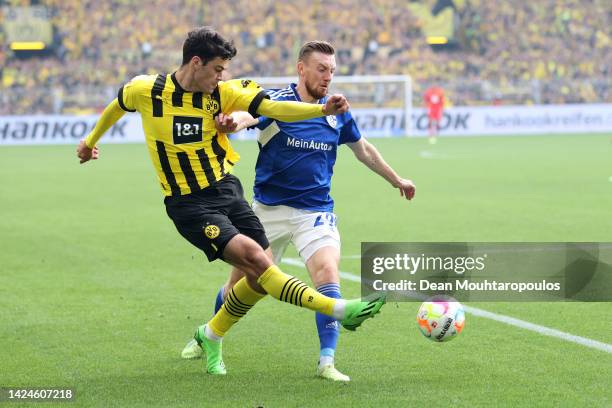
(70, 56)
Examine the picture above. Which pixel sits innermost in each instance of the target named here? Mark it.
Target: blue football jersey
(296, 160)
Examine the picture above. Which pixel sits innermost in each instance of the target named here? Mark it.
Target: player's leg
(210, 231)
(259, 270)
(277, 231)
(202, 218)
(263, 275)
(433, 127)
(435, 120)
(318, 242)
(243, 218)
(252, 221)
(260, 273)
(193, 349)
(234, 276)
(323, 269)
(219, 238)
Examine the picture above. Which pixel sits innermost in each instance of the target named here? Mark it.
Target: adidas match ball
(441, 320)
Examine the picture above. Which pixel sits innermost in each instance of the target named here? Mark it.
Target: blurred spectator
(546, 51)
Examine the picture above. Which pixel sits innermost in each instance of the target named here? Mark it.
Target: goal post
(391, 93)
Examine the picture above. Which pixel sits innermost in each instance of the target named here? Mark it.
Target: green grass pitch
(99, 292)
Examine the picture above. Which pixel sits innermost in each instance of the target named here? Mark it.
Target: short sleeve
(350, 132)
(241, 95)
(128, 93)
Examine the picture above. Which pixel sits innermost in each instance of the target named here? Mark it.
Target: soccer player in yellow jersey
(205, 202)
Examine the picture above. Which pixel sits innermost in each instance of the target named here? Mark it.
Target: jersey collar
(295, 92)
(177, 86)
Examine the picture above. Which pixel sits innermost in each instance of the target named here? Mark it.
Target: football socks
(239, 301)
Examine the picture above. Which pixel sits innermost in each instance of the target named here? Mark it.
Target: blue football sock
(327, 326)
(219, 300)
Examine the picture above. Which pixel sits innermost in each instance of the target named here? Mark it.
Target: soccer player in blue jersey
(292, 186)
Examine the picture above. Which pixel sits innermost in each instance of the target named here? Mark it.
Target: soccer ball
(441, 320)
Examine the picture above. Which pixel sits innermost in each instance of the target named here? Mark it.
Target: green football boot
(358, 311)
(214, 357)
(329, 372)
(192, 350)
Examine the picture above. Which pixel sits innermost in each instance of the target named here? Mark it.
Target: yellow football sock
(291, 290)
(239, 301)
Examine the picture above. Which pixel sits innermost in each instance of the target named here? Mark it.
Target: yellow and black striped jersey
(187, 151)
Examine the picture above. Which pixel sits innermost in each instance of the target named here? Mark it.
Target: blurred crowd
(506, 52)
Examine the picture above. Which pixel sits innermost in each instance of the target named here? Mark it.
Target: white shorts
(307, 230)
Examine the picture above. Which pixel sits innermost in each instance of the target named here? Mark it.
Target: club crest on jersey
(211, 106)
(211, 231)
(332, 120)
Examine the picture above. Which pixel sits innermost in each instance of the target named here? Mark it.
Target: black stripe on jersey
(256, 102)
(177, 99)
(156, 96)
(121, 104)
(219, 152)
(190, 176)
(165, 165)
(177, 95)
(196, 100)
(217, 97)
(208, 171)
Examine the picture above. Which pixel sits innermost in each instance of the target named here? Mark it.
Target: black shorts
(209, 218)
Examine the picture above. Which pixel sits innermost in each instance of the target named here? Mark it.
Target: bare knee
(246, 254)
(325, 273)
(323, 265)
(256, 259)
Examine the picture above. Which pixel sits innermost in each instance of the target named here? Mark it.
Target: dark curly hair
(206, 43)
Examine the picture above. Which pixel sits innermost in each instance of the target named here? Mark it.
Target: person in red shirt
(434, 100)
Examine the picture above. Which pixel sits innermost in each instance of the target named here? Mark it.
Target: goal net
(380, 104)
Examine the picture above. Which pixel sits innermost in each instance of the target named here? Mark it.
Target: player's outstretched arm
(290, 111)
(371, 157)
(87, 149)
(235, 122)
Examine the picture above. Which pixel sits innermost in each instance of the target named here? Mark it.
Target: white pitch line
(426, 154)
(546, 331)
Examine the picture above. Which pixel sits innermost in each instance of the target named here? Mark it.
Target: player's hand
(407, 188)
(225, 123)
(335, 105)
(85, 154)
